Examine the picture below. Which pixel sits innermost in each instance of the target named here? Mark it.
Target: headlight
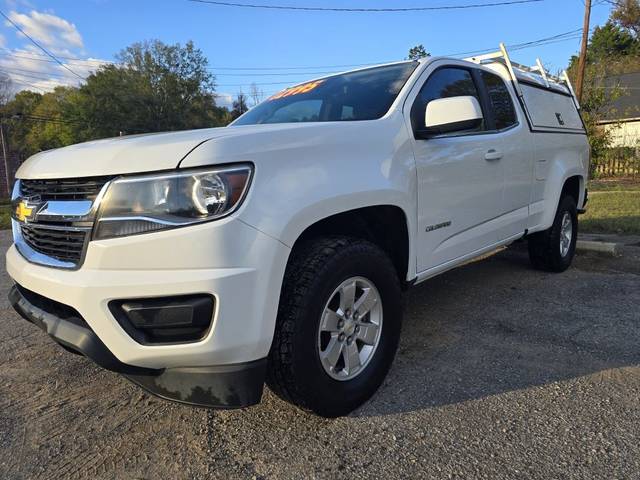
(149, 203)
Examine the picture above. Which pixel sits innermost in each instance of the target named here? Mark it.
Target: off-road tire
(315, 269)
(544, 247)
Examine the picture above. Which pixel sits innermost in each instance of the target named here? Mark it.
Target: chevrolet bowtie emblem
(23, 211)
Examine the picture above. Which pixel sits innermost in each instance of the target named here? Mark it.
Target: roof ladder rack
(543, 72)
(538, 69)
(565, 77)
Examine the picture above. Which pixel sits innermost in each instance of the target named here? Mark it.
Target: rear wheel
(338, 325)
(553, 249)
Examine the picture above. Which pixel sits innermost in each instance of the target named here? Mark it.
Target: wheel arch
(385, 225)
(574, 187)
(562, 182)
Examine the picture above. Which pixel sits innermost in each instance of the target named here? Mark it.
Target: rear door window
(504, 113)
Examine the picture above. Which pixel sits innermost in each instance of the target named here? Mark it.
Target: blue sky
(235, 38)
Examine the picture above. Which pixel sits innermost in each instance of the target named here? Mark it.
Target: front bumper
(239, 266)
(228, 386)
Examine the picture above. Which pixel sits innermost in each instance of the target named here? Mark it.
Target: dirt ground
(502, 372)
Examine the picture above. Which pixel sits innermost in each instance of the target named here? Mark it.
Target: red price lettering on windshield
(304, 88)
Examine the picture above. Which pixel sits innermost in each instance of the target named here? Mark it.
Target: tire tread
(307, 263)
(542, 245)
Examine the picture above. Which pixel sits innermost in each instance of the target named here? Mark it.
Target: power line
(561, 37)
(307, 67)
(39, 46)
(363, 10)
(42, 90)
(49, 120)
(98, 63)
(568, 35)
(550, 42)
(16, 70)
(10, 73)
(80, 62)
(252, 83)
(40, 118)
(272, 74)
(519, 46)
(85, 60)
(298, 68)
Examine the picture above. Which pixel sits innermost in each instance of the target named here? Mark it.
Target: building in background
(623, 120)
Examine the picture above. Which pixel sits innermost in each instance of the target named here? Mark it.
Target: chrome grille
(64, 189)
(53, 219)
(64, 243)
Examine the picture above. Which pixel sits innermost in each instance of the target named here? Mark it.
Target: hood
(129, 154)
(165, 151)
(159, 151)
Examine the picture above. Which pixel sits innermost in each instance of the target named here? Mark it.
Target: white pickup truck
(202, 264)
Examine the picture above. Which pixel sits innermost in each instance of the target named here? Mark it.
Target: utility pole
(6, 160)
(582, 61)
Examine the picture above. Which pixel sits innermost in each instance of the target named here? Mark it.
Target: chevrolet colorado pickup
(202, 264)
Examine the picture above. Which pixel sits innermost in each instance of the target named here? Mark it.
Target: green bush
(5, 216)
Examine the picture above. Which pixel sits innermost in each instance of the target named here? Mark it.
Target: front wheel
(338, 325)
(553, 249)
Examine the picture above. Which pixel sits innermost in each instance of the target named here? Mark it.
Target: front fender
(308, 173)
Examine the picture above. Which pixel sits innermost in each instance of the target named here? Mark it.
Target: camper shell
(549, 101)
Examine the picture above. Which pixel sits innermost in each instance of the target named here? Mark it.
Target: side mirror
(452, 114)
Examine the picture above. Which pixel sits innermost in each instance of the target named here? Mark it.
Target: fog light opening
(165, 320)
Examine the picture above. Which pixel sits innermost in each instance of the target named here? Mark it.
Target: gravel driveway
(502, 372)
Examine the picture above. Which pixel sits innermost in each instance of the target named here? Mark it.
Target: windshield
(361, 95)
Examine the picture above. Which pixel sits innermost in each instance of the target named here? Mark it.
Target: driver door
(460, 176)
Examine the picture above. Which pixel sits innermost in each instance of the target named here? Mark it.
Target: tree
(417, 52)
(6, 89)
(609, 44)
(156, 87)
(613, 49)
(54, 130)
(239, 105)
(626, 15)
(14, 114)
(612, 41)
(256, 94)
(597, 100)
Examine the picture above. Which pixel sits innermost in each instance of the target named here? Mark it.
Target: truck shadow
(497, 325)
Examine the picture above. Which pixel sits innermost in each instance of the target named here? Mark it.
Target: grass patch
(5, 216)
(614, 184)
(614, 207)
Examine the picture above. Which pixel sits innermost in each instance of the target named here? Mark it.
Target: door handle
(492, 155)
